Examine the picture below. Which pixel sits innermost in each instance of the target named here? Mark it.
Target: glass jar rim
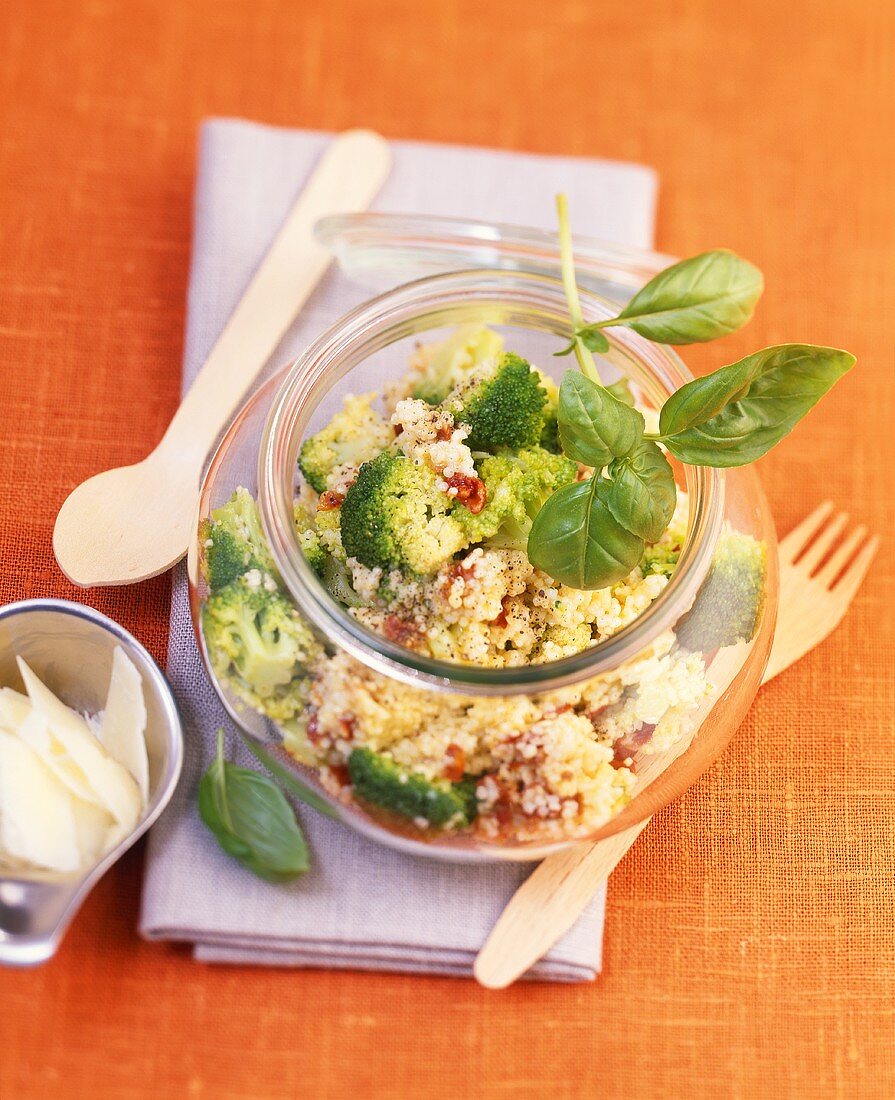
(500, 296)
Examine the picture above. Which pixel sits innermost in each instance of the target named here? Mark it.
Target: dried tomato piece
(455, 766)
(401, 631)
(330, 500)
(469, 490)
(339, 772)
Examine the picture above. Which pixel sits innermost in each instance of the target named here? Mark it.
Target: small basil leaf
(251, 820)
(622, 390)
(567, 350)
(290, 781)
(576, 540)
(593, 339)
(642, 494)
(695, 300)
(735, 415)
(594, 426)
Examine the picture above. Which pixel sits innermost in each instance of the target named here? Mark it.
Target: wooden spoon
(133, 522)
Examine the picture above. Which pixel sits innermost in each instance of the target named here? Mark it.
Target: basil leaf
(735, 415)
(567, 350)
(622, 390)
(695, 300)
(252, 821)
(642, 494)
(594, 426)
(593, 339)
(576, 540)
(290, 781)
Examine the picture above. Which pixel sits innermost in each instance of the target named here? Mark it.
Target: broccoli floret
(309, 539)
(234, 542)
(328, 523)
(380, 781)
(394, 516)
(355, 434)
(453, 360)
(728, 606)
(543, 472)
(259, 645)
(505, 489)
(660, 558)
(550, 432)
(502, 402)
(337, 578)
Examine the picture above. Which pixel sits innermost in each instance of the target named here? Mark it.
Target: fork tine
(791, 546)
(856, 572)
(841, 556)
(817, 550)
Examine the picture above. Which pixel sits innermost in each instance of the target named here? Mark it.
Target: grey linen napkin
(361, 905)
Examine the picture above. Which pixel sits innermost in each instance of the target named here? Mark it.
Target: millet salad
(416, 518)
(477, 513)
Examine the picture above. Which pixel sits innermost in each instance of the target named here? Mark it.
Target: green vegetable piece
(622, 390)
(568, 349)
(592, 338)
(660, 558)
(455, 359)
(505, 486)
(594, 425)
(309, 539)
(355, 434)
(503, 404)
(576, 540)
(288, 778)
(395, 517)
(698, 299)
(336, 578)
(738, 413)
(550, 432)
(729, 605)
(251, 820)
(517, 484)
(377, 779)
(234, 542)
(642, 493)
(260, 647)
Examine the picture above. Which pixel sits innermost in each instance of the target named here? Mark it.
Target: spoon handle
(347, 178)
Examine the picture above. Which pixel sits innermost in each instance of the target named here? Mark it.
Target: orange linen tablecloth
(750, 940)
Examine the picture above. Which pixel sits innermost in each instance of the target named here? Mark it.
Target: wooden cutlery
(821, 570)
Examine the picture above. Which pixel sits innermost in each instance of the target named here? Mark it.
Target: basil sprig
(251, 820)
(591, 534)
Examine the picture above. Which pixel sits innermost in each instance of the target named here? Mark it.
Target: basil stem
(567, 260)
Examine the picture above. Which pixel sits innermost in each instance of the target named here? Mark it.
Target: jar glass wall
(663, 692)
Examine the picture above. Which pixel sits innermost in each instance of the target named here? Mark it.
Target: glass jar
(672, 707)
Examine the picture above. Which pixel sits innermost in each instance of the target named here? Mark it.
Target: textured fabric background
(361, 905)
(750, 938)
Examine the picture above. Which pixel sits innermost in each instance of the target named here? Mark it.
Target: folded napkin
(361, 905)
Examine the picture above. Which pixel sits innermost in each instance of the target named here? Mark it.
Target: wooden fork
(820, 573)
